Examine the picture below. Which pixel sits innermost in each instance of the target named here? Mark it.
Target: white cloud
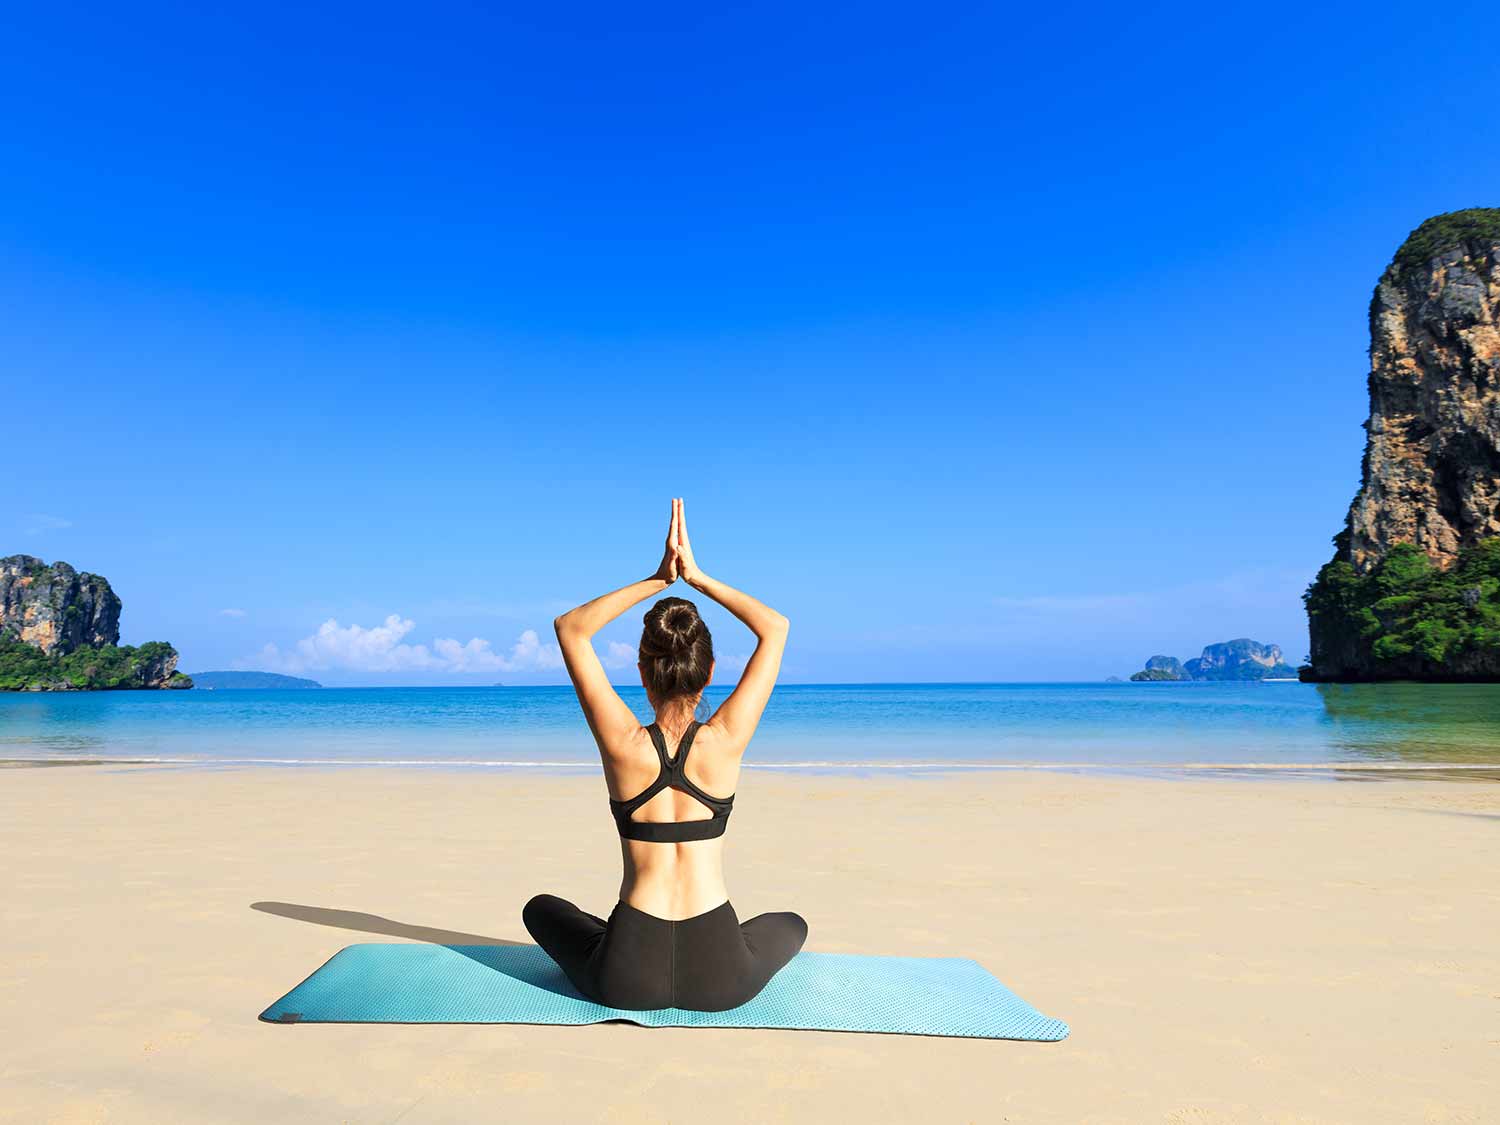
(231, 613)
(377, 649)
(474, 656)
(383, 648)
(37, 522)
(528, 654)
(620, 655)
(730, 666)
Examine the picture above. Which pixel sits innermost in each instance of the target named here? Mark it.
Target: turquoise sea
(1249, 727)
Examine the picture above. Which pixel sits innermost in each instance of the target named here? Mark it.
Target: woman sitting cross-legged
(673, 939)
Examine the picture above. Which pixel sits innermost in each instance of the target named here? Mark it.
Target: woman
(673, 940)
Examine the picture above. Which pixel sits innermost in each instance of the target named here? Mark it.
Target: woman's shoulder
(625, 742)
(718, 740)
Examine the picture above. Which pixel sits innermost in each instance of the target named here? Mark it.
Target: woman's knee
(791, 923)
(782, 932)
(798, 926)
(537, 909)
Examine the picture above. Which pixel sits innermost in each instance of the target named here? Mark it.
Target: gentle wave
(1065, 767)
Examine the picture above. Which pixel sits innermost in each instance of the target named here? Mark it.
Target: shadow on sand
(519, 960)
(375, 924)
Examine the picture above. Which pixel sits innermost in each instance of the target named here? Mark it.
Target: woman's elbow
(570, 631)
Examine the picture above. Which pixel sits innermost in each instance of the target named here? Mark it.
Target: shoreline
(1449, 771)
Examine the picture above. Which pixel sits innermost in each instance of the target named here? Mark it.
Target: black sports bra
(672, 777)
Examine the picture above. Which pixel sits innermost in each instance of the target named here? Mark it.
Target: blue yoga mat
(418, 983)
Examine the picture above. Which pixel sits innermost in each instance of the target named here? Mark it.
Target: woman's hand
(668, 569)
(687, 566)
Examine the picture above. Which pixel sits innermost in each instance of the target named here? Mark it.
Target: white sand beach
(1225, 951)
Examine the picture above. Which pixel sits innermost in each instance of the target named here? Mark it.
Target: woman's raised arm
(739, 715)
(609, 717)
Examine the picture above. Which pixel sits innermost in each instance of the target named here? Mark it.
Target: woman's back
(673, 879)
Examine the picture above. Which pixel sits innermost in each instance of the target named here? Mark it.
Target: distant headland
(60, 631)
(1413, 589)
(237, 681)
(1239, 659)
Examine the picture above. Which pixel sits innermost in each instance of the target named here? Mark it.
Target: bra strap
(660, 743)
(685, 744)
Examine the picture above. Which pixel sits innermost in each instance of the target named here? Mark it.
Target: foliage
(1473, 228)
(1155, 675)
(1406, 618)
(24, 666)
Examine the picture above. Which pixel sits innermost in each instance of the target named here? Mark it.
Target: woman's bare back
(673, 880)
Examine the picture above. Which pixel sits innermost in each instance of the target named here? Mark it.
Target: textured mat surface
(415, 983)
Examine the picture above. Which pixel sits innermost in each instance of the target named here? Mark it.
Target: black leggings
(638, 961)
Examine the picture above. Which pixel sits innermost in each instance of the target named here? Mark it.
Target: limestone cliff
(1431, 471)
(59, 631)
(55, 608)
(1412, 589)
(1239, 659)
(1161, 668)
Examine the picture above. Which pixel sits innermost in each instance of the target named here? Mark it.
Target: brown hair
(677, 652)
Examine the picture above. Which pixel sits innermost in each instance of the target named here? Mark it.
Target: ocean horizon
(1250, 727)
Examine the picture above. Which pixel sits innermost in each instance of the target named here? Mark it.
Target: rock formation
(1431, 471)
(1240, 659)
(1411, 590)
(55, 608)
(59, 631)
(1161, 668)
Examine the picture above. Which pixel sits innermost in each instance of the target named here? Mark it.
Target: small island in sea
(60, 631)
(1413, 589)
(245, 681)
(1239, 659)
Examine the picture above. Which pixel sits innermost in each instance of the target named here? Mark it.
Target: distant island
(1413, 589)
(60, 631)
(234, 681)
(1239, 659)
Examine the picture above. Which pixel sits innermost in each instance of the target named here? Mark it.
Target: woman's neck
(674, 716)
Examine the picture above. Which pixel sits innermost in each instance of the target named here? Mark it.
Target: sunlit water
(914, 726)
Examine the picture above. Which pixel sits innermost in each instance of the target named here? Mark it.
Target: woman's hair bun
(681, 625)
(677, 652)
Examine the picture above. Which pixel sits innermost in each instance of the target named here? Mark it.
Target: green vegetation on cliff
(24, 667)
(1406, 619)
(60, 631)
(1474, 229)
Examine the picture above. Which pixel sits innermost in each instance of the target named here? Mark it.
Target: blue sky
(987, 343)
